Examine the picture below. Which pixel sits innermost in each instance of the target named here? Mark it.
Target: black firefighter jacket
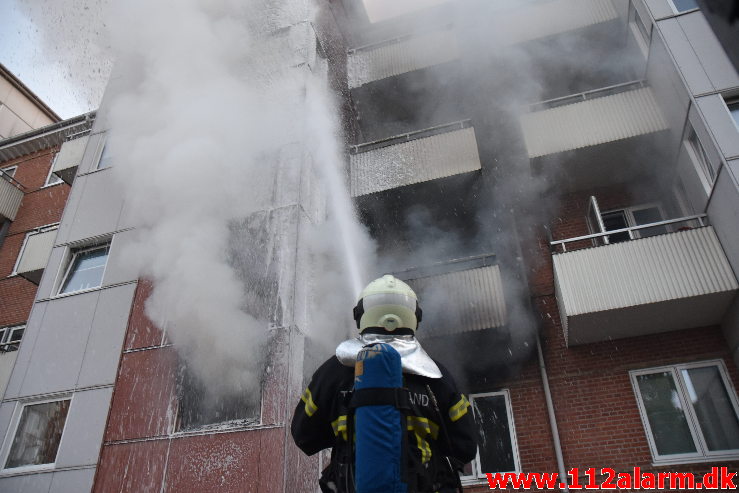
(320, 419)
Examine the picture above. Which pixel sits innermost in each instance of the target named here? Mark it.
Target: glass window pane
(86, 271)
(616, 220)
(38, 435)
(496, 450)
(646, 216)
(734, 110)
(105, 160)
(683, 5)
(712, 405)
(665, 414)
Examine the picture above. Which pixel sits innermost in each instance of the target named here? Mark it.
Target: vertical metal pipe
(552, 418)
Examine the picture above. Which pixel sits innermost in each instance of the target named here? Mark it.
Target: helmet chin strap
(401, 331)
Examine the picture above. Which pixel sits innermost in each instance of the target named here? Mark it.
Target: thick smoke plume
(214, 115)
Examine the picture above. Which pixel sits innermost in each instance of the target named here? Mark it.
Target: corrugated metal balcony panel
(467, 300)
(10, 200)
(36, 255)
(415, 161)
(387, 60)
(592, 122)
(549, 18)
(69, 157)
(663, 281)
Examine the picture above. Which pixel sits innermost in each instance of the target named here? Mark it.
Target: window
(10, 338)
(52, 178)
(497, 450)
(683, 5)
(689, 412)
(201, 406)
(638, 215)
(9, 172)
(734, 111)
(38, 434)
(105, 159)
(642, 33)
(86, 269)
(700, 157)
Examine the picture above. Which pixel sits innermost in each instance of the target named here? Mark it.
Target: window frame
(729, 102)
(6, 171)
(643, 36)
(5, 336)
(630, 220)
(70, 258)
(478, 475)
(702, 453)
(48, 182)
(700, 158)
(677, 11)
(35, 231)
(13, 430)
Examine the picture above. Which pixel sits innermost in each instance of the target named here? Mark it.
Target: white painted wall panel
(103, 347)
(10, 199)
(26, 350)
(395, 58)
(34, 483)
(684, 56)
(591, 122)
(709, 51)
(718, 119)
(83, 430)
(650, 270)
(60, 344)
(416, 161)
(75, 481)
(97, 208)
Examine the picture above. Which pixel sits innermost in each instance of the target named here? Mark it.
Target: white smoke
(203, 103)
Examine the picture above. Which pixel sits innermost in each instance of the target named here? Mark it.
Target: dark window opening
(202, 407)
(616, 220)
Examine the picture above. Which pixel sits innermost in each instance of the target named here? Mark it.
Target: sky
(59, 49)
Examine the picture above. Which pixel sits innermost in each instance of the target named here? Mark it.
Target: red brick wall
(142, 452)
(39, 207)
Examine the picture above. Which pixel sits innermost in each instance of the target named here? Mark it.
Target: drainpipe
(552, 418)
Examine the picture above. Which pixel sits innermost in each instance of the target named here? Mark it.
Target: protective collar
(412, 356)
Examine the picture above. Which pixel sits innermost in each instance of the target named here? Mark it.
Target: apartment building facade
(559, 181)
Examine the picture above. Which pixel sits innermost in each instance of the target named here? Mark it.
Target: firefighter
(439, 436)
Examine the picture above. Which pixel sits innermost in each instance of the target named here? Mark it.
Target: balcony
(671, 281)
(11, 195)
(464, 310)
(399, 56)
(35, 254)
(69, 158)
(416, 157)
(458, 296)
(537, 20)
